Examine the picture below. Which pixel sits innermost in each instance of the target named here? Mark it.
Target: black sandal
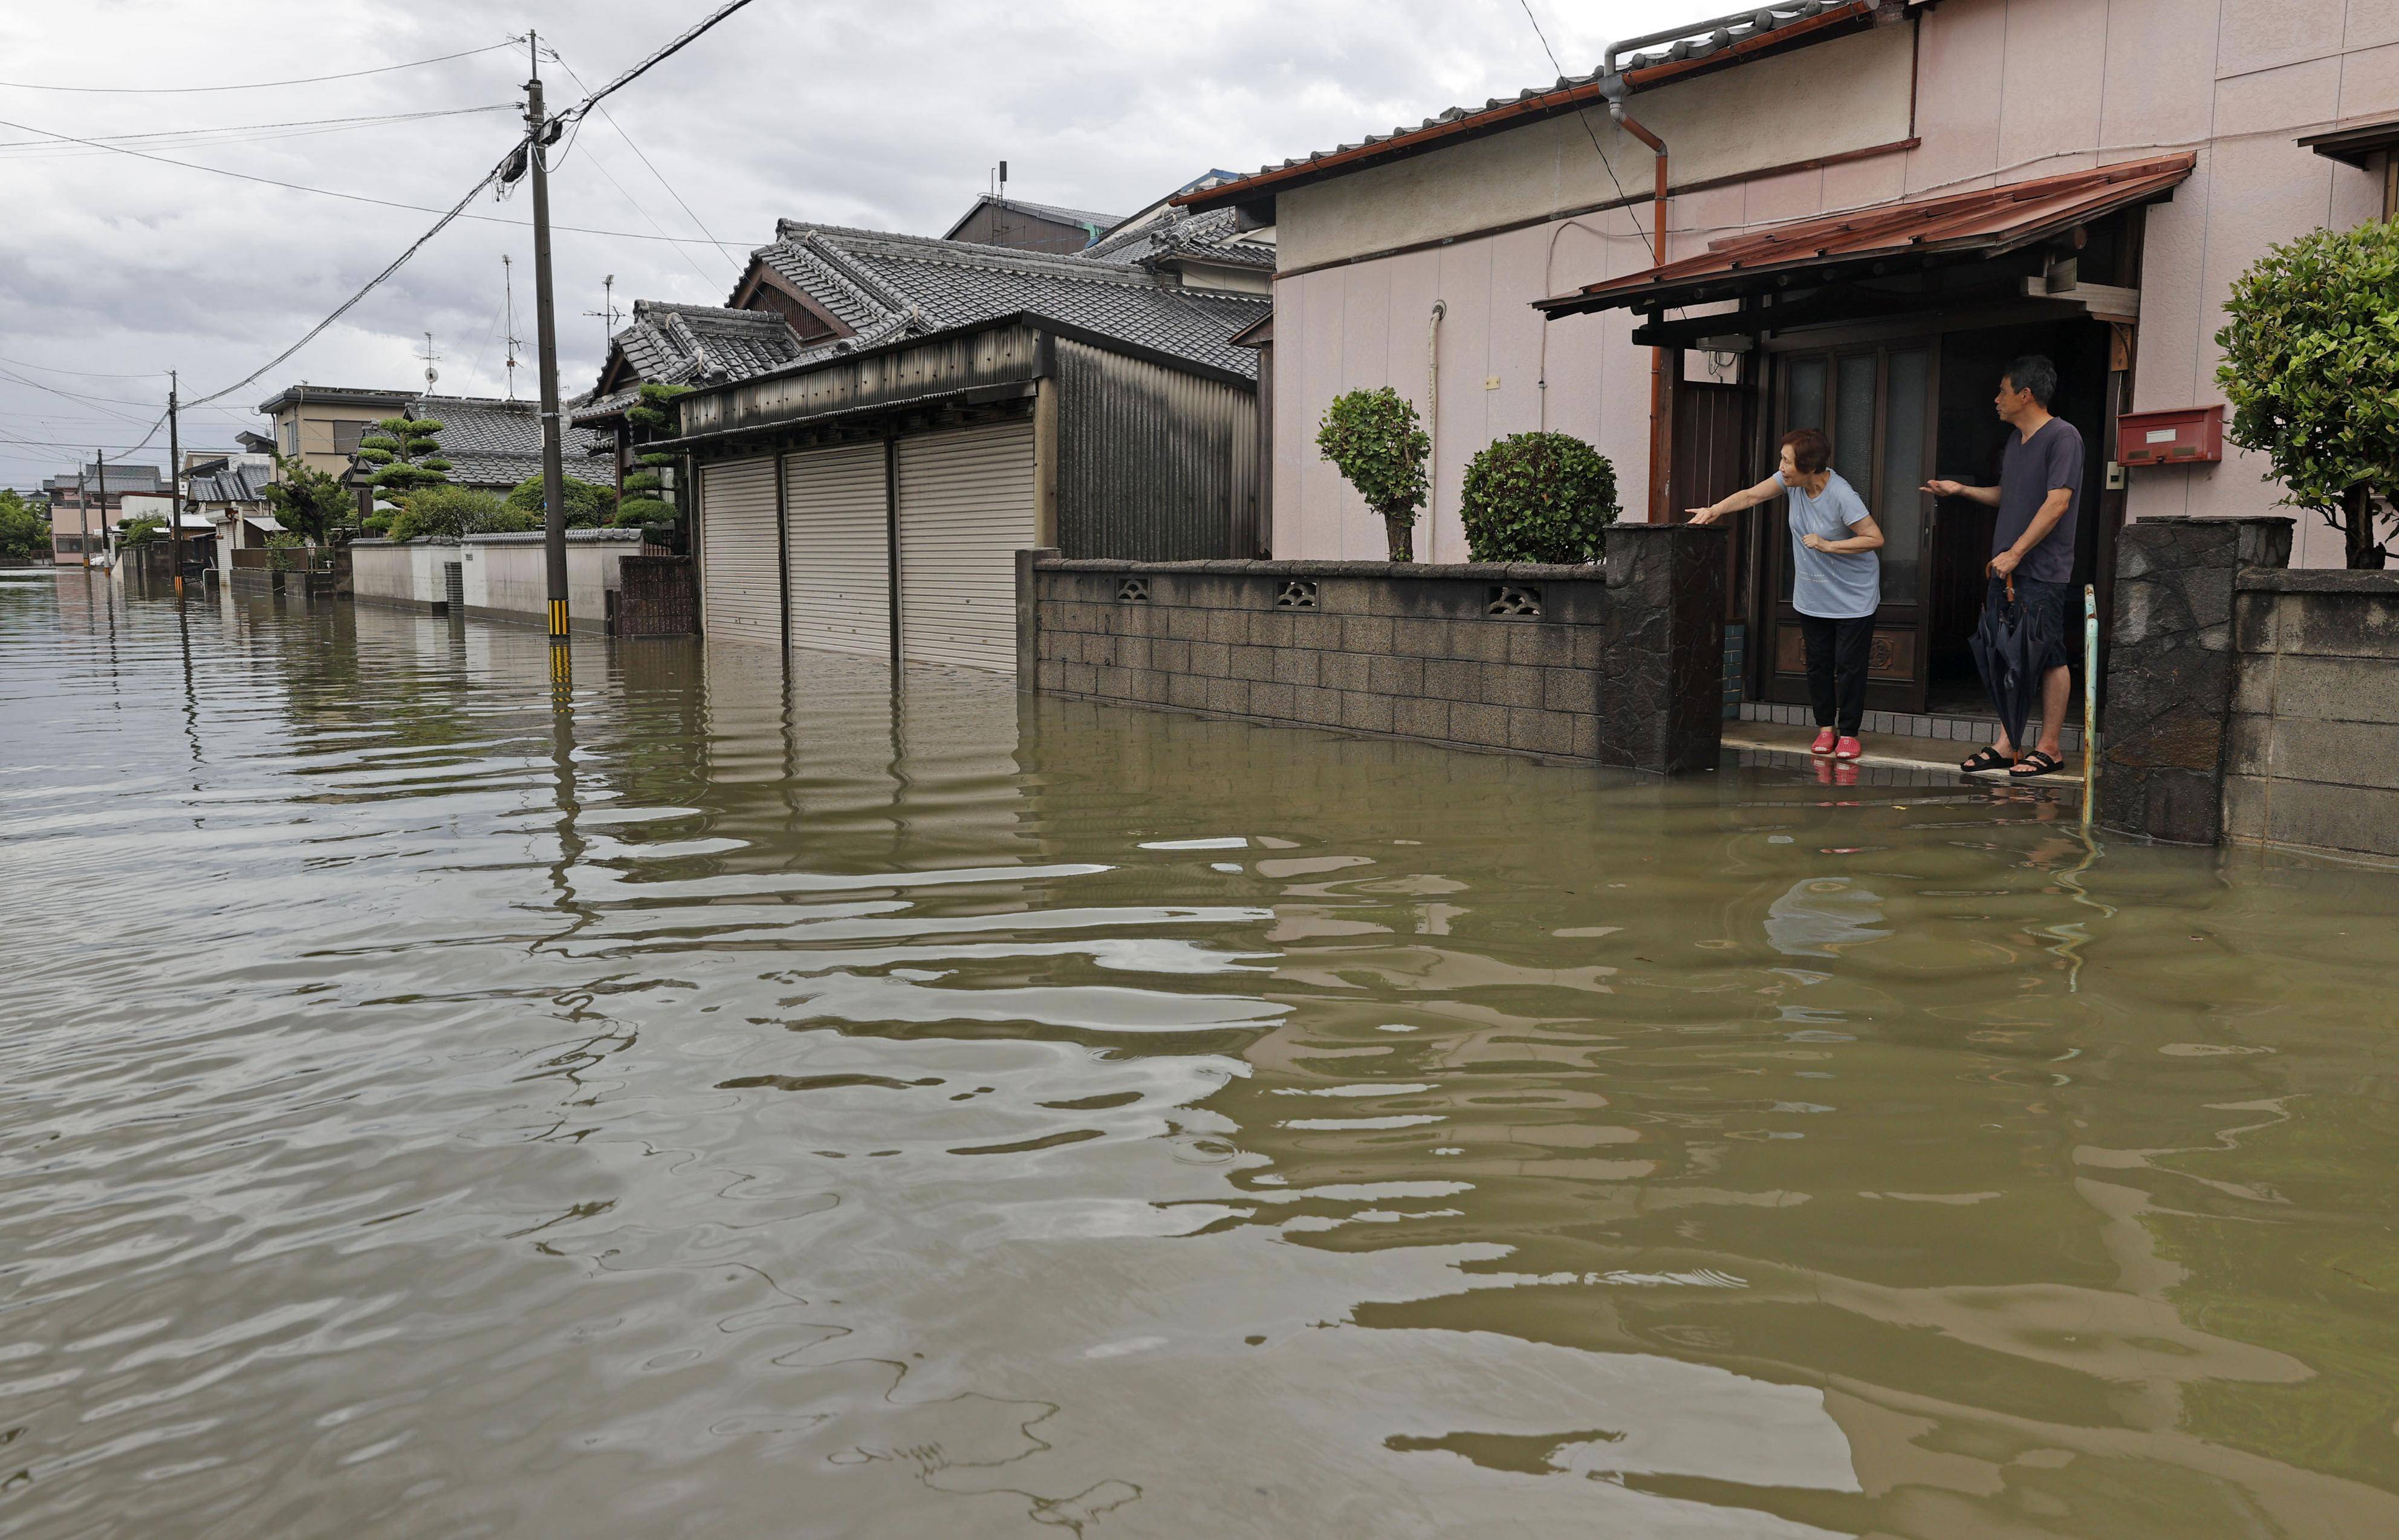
(2035, 763)
(1985, 760)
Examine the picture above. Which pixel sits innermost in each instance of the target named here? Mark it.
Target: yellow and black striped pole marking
(558, 619)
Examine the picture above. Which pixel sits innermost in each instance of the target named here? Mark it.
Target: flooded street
(751, 1106)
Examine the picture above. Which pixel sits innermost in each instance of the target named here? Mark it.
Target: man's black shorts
(2045, 602)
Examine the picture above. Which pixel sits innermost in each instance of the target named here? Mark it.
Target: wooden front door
(1875, 402)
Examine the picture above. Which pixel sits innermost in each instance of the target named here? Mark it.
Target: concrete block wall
(2313, 757)
(1619, 664)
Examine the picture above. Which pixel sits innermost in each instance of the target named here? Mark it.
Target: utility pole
(101, 465)
(175, 481)
(83, 512)
(553, 468)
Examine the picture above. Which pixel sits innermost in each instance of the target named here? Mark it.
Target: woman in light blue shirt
(1836, 581)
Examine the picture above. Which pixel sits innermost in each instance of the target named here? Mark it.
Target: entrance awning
(1891, 238)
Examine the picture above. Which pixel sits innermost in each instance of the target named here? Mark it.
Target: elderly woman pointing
(1836, 581)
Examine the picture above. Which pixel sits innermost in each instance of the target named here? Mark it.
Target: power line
(86, 373)
(503, 172)
(238, 134)
(253, 86)
(347, 198)
(1583, 117)
(613, 87)
(697, 222)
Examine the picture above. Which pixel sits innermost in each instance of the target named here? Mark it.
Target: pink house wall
(2005, 90)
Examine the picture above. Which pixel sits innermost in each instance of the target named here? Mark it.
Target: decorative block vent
(1296, 595)
(1133, 591)
(1509, 602)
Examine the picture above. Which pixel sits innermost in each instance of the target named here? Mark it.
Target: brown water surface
(748, 1105)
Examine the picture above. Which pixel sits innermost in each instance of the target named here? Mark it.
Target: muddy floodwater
(755, 1104)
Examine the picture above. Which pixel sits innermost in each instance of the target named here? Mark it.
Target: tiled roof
(671, 344)
(1981, 222)
(1207, 237)
(497, 443)
(350, 395)
(897, 285)
(1670, 51)
(235, 484)
(1084, 217)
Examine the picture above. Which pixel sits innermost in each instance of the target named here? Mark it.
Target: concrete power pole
(553, 469)
(175, 481)
(101, 465)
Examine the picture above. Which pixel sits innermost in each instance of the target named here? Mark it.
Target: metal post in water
(2090, 701)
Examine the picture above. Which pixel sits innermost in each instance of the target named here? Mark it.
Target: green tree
(24, 528)
(1375, 439)
(655, 417)
(140, 531)
(1538, 498)
(2311, 367)
(406, 453)
(308, 502)
(448, 511)
(587, 505)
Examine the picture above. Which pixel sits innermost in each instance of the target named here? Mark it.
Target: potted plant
(1375, 440)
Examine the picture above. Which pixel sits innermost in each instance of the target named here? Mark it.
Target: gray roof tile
(920, 284)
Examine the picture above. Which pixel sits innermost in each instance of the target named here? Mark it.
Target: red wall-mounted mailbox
(2190, 435)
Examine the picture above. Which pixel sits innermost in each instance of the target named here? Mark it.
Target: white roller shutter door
(966, 509)
(841, 549)
(741, 594)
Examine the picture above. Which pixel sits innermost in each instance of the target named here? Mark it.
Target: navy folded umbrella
(2009, 644)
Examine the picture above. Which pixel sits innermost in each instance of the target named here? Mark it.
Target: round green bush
(638, 512)
(1538, 498)
(587, 505)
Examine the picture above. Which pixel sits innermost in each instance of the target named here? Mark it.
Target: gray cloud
(886, 115)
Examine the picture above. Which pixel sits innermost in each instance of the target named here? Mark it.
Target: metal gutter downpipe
(1432, 420)
(1661, 467)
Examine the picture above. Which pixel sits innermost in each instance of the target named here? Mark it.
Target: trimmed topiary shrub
(1374, 438)
(2314, 378)
(588, 506)
(639, 512)
(1538, 498)
(442, 509)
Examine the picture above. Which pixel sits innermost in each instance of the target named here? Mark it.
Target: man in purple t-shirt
(2039, 498)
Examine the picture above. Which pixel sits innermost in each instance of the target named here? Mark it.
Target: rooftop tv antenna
(508, 299)
(608, 313)
(430, 357)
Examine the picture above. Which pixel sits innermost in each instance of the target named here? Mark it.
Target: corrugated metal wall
(1153, 464)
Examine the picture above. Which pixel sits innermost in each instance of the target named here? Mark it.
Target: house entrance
(1901, 407)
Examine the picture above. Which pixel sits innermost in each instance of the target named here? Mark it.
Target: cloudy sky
(886, 114)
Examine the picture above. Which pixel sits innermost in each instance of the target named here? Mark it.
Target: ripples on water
(744, 1107)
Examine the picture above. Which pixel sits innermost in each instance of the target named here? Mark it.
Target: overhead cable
(613, 87)
(697, 222)
(328, 192)
(242, 132)
(252, 86)
(1583, 116)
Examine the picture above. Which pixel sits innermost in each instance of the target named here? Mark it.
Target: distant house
(229, 491)
(1023, 226)
(954, 404)
(1203, 250)
(320, 425)
(86, 507)
(691, 345)
(493, 446)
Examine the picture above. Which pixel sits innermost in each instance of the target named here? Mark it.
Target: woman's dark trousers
(1836, 670)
